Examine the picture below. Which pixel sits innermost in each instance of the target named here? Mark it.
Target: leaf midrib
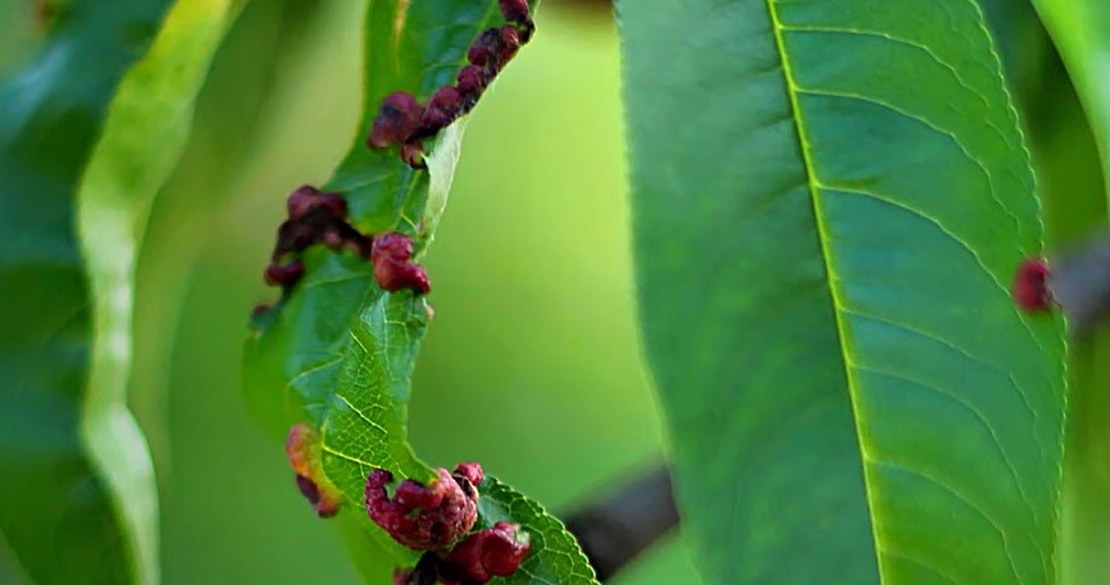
(813, 185)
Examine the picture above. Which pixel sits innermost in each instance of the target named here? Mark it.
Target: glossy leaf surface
(338, 352)
(66, 333)
(830, 201)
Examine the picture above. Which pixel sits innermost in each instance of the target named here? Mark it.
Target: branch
(1080, 282)
(619, 525)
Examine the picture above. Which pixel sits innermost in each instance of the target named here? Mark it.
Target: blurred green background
(532, 365)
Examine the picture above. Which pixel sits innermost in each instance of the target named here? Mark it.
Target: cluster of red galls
(403, 121)
(437, 517)
(321, 218)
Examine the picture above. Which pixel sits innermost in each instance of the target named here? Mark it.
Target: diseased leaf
(65, 328)
(830, 200)
(339, 353)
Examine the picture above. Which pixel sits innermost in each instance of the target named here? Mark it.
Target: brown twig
(620, 524)
(1080, 282)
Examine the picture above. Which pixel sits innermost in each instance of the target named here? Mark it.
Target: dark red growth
(302, 446)
(307, 198)
(515, 11)
(484, 50)
(398, 116)
(426, 571)
(1031, 292)
(443, 107)
(284, 274)
(509, 45)
(470, 471)
(420, 517)
(518, 13)
(471, 81)
(393, 268)
(325, 507)
(494, 552)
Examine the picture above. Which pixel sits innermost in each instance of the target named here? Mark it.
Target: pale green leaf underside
(147, 127)
(830, 201)
(340, 353)
(80, 505)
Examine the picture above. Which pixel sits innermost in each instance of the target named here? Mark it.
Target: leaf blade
(800, 248)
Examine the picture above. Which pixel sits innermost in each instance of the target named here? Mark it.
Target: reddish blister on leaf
(509, 45)
(471, 81)
(1030, 288)
(391, 255)
(303, 448)
(472, 472)
(421, 517)
(484, 50)
(307, 198)
(398, 116)
(494, 552)
(518, 13)
(284, 274)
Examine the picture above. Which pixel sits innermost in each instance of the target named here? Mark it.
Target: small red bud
(515, 11)
(495, 552)
(471, 81)
(284, 275)
(510, 44)
(444, 107)
(1030, 287)
(393, 246)
(420, 517)
(398, 116)
(307, 198)
(485, 48)
(472, 472)
(392, 254)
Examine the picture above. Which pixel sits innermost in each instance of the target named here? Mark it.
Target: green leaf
(339, 353)
(1078, 29)
(65, 343)
(830, 201)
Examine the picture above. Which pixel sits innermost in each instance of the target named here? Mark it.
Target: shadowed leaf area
(78, 175)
